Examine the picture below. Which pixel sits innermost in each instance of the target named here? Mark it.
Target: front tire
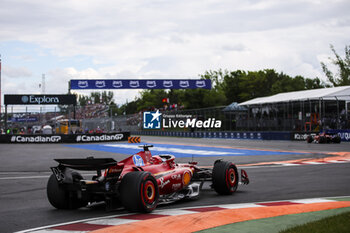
(225, 177)
(139, 192)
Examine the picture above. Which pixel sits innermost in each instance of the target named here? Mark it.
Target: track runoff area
(291, 182)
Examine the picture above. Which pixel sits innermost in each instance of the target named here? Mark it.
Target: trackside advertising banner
(343, 133)
(301, 136)
(40, 99)
(63, 138)
(140, 84)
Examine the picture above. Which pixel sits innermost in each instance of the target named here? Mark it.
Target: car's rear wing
(88, 164)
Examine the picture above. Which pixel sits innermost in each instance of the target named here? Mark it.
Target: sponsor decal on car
(163, 183)
(138, 161)
(114, 170)
(176, 186)
(176, 177)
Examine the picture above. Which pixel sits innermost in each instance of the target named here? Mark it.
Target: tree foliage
(96, 98)
(151, 98)
(239, 86)
(342, 78)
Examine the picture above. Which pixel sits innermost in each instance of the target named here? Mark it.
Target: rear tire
(60, 198)
(322, 139)
(139, 192)
(225, 177)
(337, 139)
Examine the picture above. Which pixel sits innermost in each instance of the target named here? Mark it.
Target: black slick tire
(225, 177)
(139, 192)
(309, 139)
(60, 198)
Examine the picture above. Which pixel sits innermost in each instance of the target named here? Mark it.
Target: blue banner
(24, 119)
(140, 84)
(344, 134)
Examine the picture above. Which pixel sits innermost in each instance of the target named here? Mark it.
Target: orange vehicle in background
(66, 126)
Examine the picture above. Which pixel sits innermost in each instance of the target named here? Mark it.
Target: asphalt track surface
(24, 171)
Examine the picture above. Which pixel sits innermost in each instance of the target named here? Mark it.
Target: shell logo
(186, 178)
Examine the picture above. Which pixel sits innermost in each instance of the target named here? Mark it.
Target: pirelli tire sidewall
(225, 177)
(139, 191)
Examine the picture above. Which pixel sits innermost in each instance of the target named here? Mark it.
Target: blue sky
(72, 39)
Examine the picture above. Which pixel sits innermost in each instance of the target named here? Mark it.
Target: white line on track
(24, 172)
(23, 177)
(314, 163)
(32, 177)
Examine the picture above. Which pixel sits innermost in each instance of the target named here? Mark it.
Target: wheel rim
(149, 192)
(231, 178)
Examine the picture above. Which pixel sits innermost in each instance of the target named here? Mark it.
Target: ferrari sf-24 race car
(138, 183)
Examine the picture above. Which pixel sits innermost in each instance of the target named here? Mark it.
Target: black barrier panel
(40, 99)
(275, 135)
(301, 136)
(63, 138)
(32, 138)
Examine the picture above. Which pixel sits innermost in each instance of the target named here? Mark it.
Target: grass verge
(335, 224)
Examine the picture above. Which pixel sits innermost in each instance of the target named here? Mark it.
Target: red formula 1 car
(139, 182)
(324, 138)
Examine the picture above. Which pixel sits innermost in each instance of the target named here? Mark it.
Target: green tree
(342, 78)
(97, 98)
(151, 98)
(114, 110)
(130, 107)
(83, 100)
(240, 86)
(202, 98)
